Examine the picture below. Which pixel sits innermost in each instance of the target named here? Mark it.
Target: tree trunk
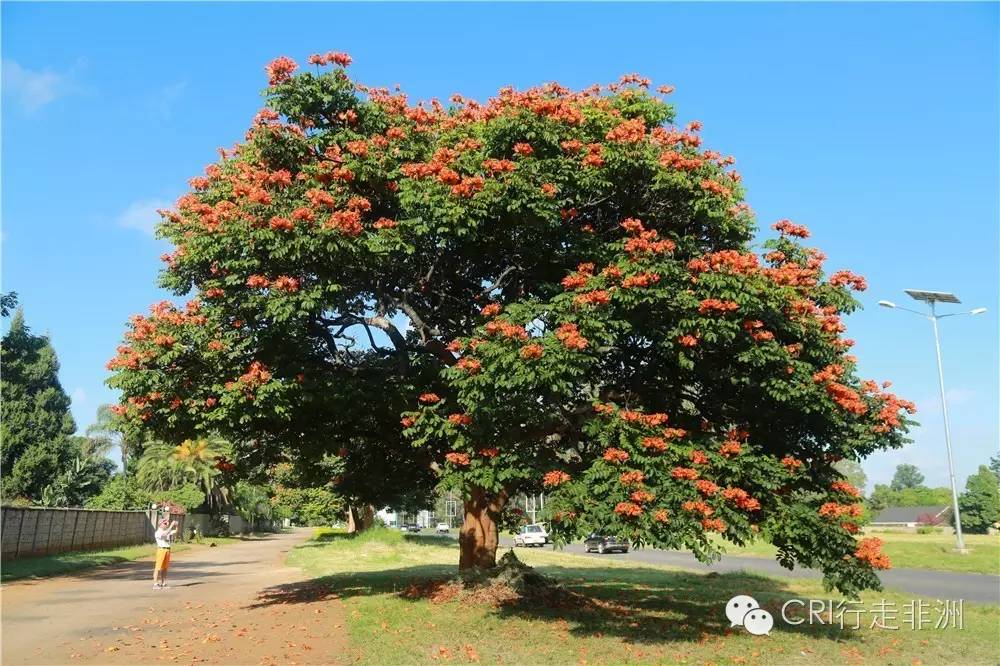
(360, 517)
(479, 537)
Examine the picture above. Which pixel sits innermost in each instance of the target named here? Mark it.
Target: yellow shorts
(162, 559)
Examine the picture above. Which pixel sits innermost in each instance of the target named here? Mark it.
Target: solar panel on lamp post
(932, 297)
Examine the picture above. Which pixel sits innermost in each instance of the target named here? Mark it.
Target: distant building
(912, 516)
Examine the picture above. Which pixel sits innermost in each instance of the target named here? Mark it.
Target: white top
(164, 536)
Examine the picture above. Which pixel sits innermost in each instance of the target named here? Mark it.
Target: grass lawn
(918, 551)
(629, 613)
(53, 565)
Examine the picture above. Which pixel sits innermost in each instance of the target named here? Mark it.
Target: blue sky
(875, 125)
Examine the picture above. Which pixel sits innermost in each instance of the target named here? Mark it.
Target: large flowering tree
(552, 290)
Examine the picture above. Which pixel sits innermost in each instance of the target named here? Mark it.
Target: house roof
(908, 514)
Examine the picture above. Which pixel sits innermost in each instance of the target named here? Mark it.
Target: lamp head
(978, 311)
(887, 304)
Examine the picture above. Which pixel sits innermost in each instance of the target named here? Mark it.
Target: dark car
(605, 544)
(411, 527)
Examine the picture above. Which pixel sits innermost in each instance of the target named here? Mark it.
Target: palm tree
(164, 466)
(105, 434)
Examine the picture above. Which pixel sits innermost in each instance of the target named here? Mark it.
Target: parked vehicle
(605, 544)
(442, 528)
(531, 535)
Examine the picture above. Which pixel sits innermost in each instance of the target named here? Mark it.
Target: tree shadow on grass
(412, 539)
(637, 605)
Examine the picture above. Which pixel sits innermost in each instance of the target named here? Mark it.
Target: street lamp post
(931, 298)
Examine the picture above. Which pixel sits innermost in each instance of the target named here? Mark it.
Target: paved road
(980, 588)
(212, 612)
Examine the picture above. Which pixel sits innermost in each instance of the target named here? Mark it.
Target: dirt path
(210, 614)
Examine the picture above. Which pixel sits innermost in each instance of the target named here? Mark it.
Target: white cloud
(33, 89)
(161, 102)
(142, 215)
(954, 396)
(79, 397)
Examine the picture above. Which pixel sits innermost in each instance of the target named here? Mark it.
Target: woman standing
(164, 536)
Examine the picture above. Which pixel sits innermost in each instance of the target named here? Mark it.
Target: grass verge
(629, 613)
(918, 551)
(54, 565)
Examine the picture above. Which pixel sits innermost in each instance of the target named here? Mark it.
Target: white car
(531, 535)
(442, 528)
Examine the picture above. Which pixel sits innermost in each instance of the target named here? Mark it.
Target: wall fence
(30, 531)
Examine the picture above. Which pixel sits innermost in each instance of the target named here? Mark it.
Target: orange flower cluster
(357, 148)
(532, 352)
(651, 420)
(598, 297)
(699, 458)
(628, 509)
(348, 222)
(835, 510)
(429, 398)
(507, 330)
(256, 375)
(574, 281)
(458, 459)
(491, 452)
(280, 70)
(629, 131)
(384, 223)
(787, 228)
(714, 187)
(697, 506)
(640, 280)
(331, 58)
(642, 496)
(469, 364)
(870, 551)
(706, 487)
(730, 448)
(889, 413)
(555, 478)
(741, 498)
(604, 409)
(674, 433)
(614, 455)
(286, 283)
(654, 444)
(468, 187)
(846, 488)
(523, 149)
(499, 166)
(790, 463)
(281, 223)
(491, 310)
(687, 341)
(713, 524)
(549, 190)
(676, 160)
(648, 242)
(848, 279)
(569, 335)
(257, 282)
(725, 261)
(459, 419)
(684, 473)
(633, 478)
(593, 157)
(714, 305)
(661, 516)
(847, 398)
